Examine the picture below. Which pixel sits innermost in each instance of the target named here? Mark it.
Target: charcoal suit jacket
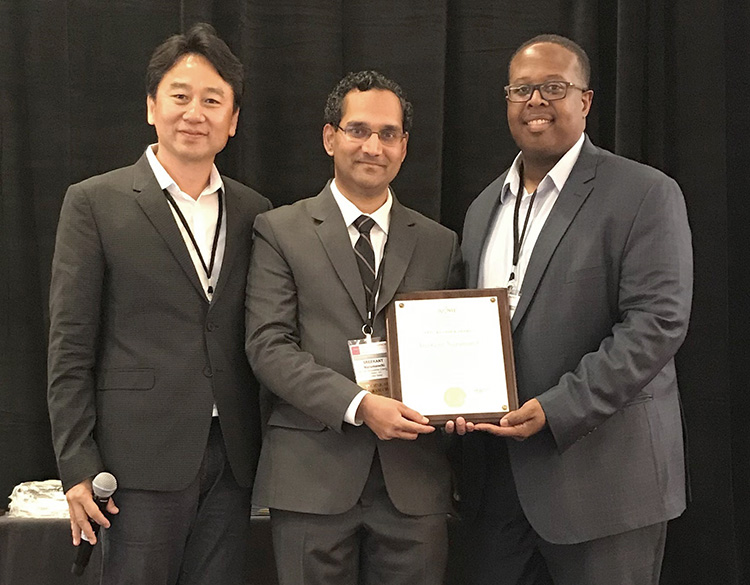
(305, 300)
(604, 307)
(137, 354)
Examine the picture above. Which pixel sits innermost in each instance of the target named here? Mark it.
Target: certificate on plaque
(450, 354)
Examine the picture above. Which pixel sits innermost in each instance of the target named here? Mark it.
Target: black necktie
(365, 256)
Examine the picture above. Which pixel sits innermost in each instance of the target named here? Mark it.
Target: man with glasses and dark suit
(357, 483)
(596, 253)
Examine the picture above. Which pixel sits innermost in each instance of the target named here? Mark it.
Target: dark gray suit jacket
(604, 308)
(305, 300)
(137, 354)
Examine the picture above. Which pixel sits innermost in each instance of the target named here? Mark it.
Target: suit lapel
(475, 239)
(398, 252)
(575, 191)
(156, 207)
(335, 239)
(232, 241)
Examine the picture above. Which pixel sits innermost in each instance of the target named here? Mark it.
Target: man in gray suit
(358, 484)
(147, 335)
(596, 252)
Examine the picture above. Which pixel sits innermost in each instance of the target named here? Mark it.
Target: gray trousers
(196, 536)
(370, 544)
(499, 546)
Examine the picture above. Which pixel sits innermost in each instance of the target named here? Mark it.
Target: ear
(587, 97)
(150, 105)
(329, 134)
(403, 146)
(233, 125)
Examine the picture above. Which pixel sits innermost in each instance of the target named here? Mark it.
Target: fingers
(519, 432)
(111, 507)
(75, 530)
(411, 427)
(515, 418)
(83, 509)
(95, 514)
(401, 428)
(529, 419)
(79, 524)
(460, 426)
(409, 431)
(519, 424)
(493, 429)
(79, 521)
(411, 414)
(390, 419)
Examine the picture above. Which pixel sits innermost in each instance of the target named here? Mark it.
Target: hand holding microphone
(88, 501)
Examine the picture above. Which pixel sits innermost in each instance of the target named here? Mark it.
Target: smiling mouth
(538, 122)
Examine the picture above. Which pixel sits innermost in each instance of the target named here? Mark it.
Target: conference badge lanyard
(210, 268)
(514, 289)
(369, 354)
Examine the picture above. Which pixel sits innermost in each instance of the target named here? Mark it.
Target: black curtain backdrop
(671, 89)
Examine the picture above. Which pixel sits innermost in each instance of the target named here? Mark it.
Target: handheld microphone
(104, 485)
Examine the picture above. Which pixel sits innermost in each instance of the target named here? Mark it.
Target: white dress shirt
(497, 257)
(201, 215)
(378, 237)
(382, 217)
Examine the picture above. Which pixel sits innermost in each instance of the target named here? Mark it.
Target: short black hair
(583, 59)
(201, 40)
(364, 81)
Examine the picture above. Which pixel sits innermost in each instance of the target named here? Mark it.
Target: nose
(194, 111)
(372, 145)
(536, 97)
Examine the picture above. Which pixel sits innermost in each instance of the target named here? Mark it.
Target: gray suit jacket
(604, 307)
(137, 355)
(305, 300)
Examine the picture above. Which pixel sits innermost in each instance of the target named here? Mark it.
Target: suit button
(211, 326)
(207, 372)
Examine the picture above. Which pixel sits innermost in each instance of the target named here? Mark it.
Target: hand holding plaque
(450, 354)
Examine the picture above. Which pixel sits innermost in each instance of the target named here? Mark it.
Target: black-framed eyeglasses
(549, 90)
(387, 136)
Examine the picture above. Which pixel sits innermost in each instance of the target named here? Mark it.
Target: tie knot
(364, 224)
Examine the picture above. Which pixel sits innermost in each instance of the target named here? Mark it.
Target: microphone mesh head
(104, 485)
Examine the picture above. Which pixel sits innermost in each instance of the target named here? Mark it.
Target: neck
(534, 171)
(191, 177)
(366, 202)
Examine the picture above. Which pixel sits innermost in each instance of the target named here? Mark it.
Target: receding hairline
(552, 40)
(372, 89)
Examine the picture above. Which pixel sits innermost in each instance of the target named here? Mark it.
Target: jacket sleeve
(76, 288)
(273, 337)
(654, 300)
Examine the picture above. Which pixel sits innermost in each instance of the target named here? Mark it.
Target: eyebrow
(182, 85)
(385, 127)
(528, 81)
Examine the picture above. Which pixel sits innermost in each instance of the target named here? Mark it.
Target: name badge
(370, 362)
(513, 299)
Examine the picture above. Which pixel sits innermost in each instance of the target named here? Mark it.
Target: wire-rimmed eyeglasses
(359, 133)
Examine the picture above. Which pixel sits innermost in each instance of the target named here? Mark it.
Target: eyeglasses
(387, 136)
(549, 90)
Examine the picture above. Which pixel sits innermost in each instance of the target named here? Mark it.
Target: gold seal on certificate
(450, 354)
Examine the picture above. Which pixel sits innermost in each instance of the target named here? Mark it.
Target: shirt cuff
(351, 413)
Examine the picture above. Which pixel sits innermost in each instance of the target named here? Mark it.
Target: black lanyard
(210, 268)
(518, 241)
(367, 328)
